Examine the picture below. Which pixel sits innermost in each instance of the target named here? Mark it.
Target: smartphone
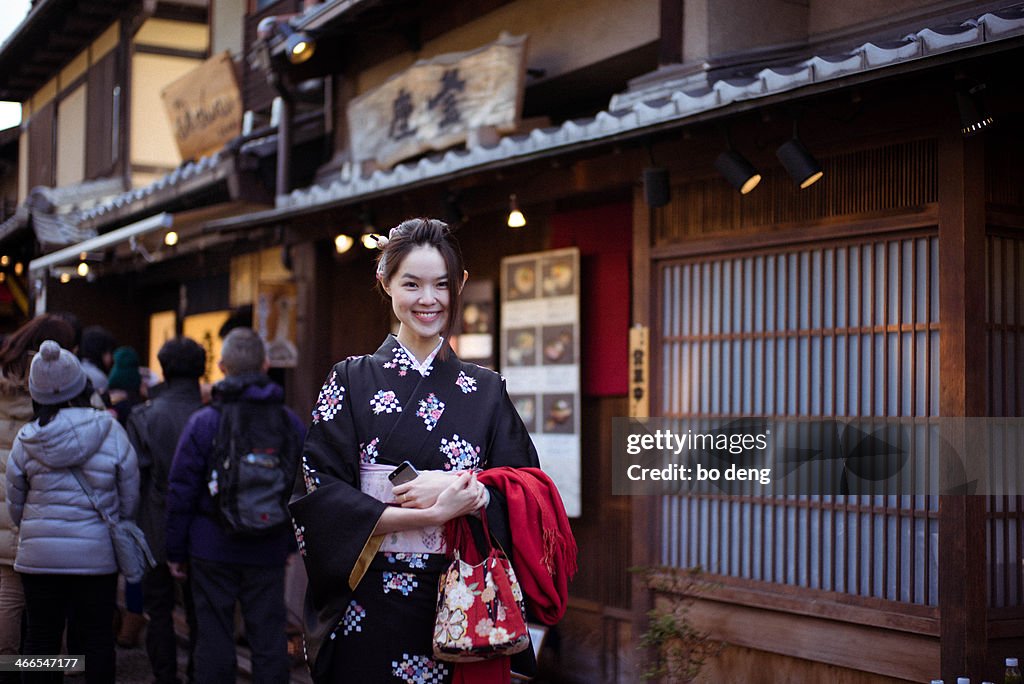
(405, 472)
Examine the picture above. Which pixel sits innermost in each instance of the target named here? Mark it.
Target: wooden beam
(962, 389)
(670, 44)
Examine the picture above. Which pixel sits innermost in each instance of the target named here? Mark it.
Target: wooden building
(890, 287)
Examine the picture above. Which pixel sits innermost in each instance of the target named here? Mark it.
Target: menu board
(540, 358)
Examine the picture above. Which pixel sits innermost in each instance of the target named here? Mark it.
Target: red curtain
(604, 236)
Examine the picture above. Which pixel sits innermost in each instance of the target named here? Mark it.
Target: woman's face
(419, 296)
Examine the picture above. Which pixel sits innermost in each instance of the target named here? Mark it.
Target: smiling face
(420, 298)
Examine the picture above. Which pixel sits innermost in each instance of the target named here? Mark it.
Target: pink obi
(373, 480)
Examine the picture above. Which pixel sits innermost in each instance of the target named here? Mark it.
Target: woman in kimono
(374, 552)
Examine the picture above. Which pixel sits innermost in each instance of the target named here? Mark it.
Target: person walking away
(374, 552)
(15, 411)
(154, 429)
(65, 555)
(96, 352)
(125, 390)
(124, 384)
(227, 561)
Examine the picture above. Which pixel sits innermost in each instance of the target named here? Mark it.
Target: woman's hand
(462, 494)
(461, 497)
(423, 490)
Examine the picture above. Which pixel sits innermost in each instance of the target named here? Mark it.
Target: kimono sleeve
(334, 520)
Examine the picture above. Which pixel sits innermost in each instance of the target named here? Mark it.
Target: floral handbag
(480, 610)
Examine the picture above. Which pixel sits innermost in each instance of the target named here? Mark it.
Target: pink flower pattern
(430, 411)
(385, 401)
(328, 403)
(466, 383)
(461, 454)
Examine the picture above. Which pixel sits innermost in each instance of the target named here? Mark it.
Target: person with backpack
(154, 429)
(228, 528)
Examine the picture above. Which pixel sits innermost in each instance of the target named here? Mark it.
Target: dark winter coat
(192, 528)
(154, 429)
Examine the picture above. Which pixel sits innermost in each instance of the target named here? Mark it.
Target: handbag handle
(460, 535)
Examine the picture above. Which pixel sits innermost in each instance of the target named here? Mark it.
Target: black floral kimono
(372, 598)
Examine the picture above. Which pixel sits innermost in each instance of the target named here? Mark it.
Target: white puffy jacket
(61, 531)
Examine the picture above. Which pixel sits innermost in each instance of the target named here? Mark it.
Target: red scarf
(543, 555)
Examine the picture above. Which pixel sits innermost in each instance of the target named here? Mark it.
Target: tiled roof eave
(926, 49)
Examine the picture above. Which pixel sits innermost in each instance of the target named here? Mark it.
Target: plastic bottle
(1012, 674)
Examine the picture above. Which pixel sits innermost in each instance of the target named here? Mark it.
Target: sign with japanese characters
(205, 107)
(435, 103)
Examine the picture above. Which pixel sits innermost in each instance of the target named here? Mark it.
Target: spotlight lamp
(974, 117)
(740, 173)
(343, 243)
(801, 165)
(299, 45)
(515, 216)
(657, 187)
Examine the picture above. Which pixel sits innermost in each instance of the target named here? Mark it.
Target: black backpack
(252, 469)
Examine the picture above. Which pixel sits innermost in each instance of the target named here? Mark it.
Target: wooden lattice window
(842, 329)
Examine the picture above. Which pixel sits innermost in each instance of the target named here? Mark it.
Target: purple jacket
(192, 529)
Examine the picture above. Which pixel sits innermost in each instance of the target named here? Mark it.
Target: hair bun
(49, 350)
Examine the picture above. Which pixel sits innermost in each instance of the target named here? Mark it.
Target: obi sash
(373, 480)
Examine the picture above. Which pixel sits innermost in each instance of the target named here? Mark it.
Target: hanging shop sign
(540, 358)
(436, 103)
(639, 385)
(205, 107)
(276, 320)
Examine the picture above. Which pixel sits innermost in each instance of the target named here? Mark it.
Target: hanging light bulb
(18, 268)
(515, 217)
(65, 277)
(171, 238)
(83, 269)
(343, 243)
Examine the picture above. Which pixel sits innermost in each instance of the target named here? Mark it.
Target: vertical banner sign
(639, 380)
(540, 358)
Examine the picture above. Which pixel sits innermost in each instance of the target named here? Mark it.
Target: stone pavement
(133, 665)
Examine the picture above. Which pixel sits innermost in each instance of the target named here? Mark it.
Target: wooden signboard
(205, 107)
(435, 103)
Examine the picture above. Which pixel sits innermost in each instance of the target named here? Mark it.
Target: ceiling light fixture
(516, 219)
(343, 243)
(974, 117)
(736, 169)
(801, 165)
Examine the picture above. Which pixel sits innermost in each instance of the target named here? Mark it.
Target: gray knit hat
(55, 375)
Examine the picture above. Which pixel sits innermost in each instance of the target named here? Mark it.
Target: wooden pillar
(963, 586)
(645, 516)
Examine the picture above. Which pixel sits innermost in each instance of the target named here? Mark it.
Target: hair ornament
(381, 241)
